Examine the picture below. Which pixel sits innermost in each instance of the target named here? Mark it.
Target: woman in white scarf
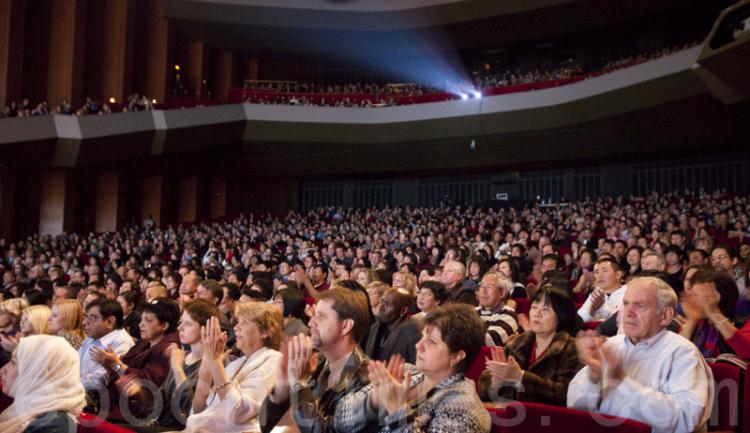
(44, 379)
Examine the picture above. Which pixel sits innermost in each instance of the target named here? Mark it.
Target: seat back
(592, 325)
(728, 384)
(523, 305)
(477, 367)
(88, 423)
(524, 417)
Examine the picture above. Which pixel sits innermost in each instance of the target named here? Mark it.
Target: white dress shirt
(612, 303)
(667, 384)
(94, 375)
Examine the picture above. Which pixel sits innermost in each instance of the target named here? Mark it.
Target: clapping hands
(503, 369)
(390, 384)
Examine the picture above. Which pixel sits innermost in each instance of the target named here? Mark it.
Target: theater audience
(178, 389)
(606, 297)
(431, 295)
(501, 320)
(394, 332)
(102, 324)
(375, 291)
(709, 308)
(538, 364)
(509, 268)
(11, 311)
(647, 373)
(131, 315)
(66, 320)
(453, 278)
(35, 320)
(340, 321)
(228, 399)
(434, 396)
(147, 361)
(292, 304)
(43, 378)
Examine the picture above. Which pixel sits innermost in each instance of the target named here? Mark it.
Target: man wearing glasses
(102, 324)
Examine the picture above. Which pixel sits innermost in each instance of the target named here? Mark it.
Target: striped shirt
(502, 323)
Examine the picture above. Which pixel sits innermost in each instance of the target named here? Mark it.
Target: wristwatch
(118, 369)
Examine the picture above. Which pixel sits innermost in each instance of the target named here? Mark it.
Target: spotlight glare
(478, 95)
(464, 96)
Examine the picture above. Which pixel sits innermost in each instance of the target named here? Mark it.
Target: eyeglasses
(91, 317)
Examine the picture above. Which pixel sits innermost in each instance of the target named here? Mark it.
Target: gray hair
(501, 282)
(653, 253)
(665, 294)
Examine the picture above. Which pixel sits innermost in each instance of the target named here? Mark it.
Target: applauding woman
(538, 364)
(434, 397)
(227, 399)
(709, 303)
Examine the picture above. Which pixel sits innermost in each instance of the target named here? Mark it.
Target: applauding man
(648, 373)
(340, 321)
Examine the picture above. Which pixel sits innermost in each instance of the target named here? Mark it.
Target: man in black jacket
(454, 273)
(394, 332)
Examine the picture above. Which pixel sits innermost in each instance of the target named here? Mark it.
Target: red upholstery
(746, 405)
(727, 397)
(592, 325)
(310, 301)
(88, 423)
(477, 367)
(523, 417)
(523, 305)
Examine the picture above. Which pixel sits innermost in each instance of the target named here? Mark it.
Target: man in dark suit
(394, 332)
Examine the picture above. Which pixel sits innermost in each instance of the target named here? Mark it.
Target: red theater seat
(477, 367)
(522, 417)
(88, 423)
(728, 379)
(523, 305)
(592, 325)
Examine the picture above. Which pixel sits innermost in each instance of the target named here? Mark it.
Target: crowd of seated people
(369, 319)
(376, 95)
(91, 106)
(340, 95)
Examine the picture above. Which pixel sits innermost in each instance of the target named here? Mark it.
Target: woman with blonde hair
(10, 316)
(405, 280)
(228, 399)
(66, 320)
(44, 379)
(375, 291)
(35, 320)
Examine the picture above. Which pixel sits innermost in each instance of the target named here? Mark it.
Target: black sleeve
(609, 326)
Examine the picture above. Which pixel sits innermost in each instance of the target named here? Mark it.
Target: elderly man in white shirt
(647, 373)
(606, 297)
(103, 326)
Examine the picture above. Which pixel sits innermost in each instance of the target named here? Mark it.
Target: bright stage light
(464, 96)
(478, 95)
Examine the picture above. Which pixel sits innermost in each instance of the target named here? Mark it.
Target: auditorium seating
(729, 404)
(88, 423)
(524, 417)
(477, 367)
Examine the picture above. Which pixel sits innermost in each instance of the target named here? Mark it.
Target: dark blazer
(402, 340)
(547, 380)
